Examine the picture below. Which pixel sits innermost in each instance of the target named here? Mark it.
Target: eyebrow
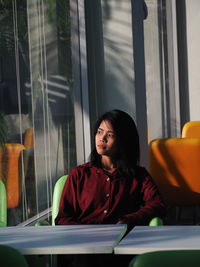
(103, 130)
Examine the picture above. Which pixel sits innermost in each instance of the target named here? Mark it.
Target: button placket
(107, 196)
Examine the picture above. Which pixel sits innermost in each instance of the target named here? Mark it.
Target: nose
(103, 138)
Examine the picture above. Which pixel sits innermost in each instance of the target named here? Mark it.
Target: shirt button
(105, 211)
(107, 195)
(108, 179)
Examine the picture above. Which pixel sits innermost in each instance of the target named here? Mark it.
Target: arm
(68, 211)
(152, 204)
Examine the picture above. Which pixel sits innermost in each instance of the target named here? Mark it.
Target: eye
(111, 135)
(99, 132)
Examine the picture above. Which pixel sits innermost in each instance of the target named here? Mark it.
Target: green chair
(3, 205)
(156, 221)
(57, 192)
(57, 195)
(11, 257)
(172, 258)
(56, 200)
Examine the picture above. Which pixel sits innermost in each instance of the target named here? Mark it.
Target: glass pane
(36, 107)
(156, 76)
(110, 53)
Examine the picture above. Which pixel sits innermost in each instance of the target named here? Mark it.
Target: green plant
(7, 13)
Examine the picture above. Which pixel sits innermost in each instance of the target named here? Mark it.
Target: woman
(112, 187)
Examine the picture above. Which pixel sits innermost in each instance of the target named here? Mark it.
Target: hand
(120, 222)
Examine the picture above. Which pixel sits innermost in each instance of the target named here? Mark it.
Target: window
(38, 106)
(161, 63)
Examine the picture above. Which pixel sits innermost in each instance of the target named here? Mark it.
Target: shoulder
(82, 169)
(141, 171)
(142, 174)
(145, 178)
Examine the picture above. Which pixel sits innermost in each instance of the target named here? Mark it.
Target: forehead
(106, 126)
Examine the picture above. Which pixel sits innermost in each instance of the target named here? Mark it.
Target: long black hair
(127, 139)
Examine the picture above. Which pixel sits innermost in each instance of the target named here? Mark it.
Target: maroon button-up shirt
(93, 196)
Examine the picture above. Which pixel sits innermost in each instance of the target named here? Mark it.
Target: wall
(193, 51)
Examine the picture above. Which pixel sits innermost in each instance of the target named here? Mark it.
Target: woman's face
(105, 139)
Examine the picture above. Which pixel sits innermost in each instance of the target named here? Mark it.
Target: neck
(107, 164)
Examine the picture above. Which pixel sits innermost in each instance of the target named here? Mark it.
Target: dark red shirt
(93, 196)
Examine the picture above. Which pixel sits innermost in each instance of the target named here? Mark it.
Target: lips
(101, 146)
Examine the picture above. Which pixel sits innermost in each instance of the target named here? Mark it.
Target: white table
(69, 239)
(145, 239)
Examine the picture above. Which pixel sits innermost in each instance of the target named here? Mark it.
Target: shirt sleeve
(68, 209)
(151, 200)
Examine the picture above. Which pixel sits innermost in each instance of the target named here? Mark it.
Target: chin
(100, 153)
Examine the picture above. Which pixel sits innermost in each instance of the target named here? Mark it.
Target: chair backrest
(156, 221)
(3, 205)
(58, 188)
(173, 258)
(28, 138)
(11, 257)
(10, 171)
(174, 164)
(191, 129)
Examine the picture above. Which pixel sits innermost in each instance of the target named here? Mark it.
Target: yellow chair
(10, 172)
(191, 129)
(175, 167)
(28, 138)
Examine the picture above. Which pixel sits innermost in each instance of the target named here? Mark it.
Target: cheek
(113, 143)
(96, 139)
(114, 146)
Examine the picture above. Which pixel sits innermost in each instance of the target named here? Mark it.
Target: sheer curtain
(36, 70)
